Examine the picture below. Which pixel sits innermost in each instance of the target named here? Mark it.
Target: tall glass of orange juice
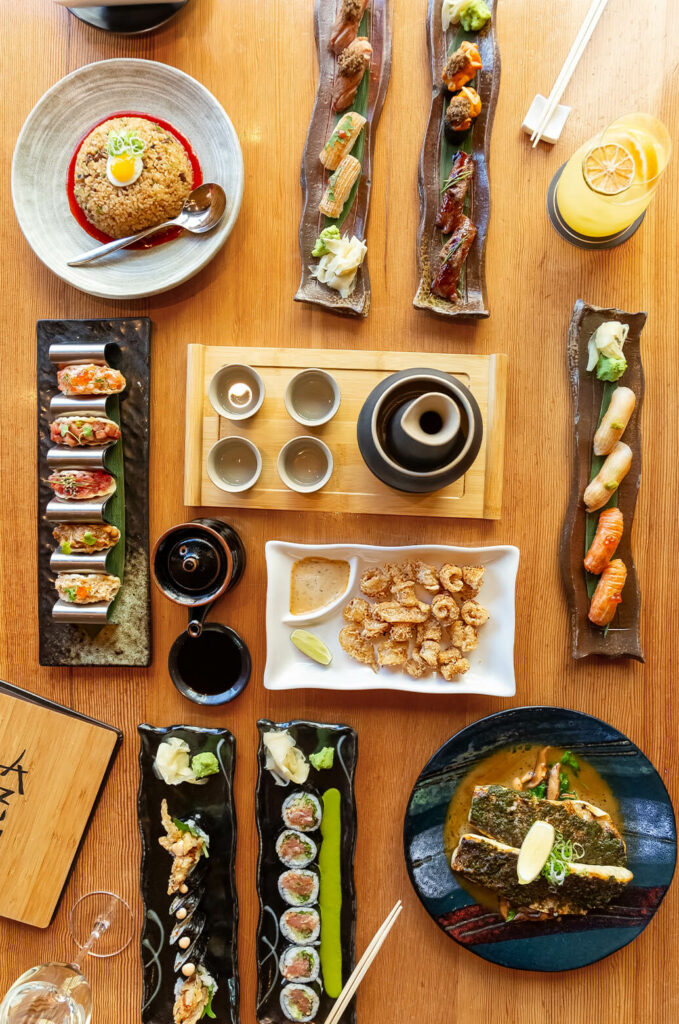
(599, 197)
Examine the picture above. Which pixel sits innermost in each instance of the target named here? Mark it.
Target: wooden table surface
(259, 60)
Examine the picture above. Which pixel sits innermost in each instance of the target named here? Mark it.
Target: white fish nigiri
(615, 420)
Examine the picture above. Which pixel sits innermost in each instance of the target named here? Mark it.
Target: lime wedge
(311, 645)
(535, 850)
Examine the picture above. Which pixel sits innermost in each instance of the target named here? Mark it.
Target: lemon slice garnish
(311, 645)
(535, 850)
(609, 169)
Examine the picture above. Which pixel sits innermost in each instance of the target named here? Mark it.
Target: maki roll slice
(463, 109)
(300, 963)
(294, 849)
(301, 926)
(302, 811)
(299, 1002)
(298, 887)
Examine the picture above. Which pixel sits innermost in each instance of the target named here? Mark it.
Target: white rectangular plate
(492, 663)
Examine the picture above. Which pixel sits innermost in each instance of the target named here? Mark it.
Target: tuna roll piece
(299, 1002)
(493, 865)
(301, 926)
(298, 887)
(302, 812)
(507, 815)
(300, 963)
(453, 255)
(454, 192)
(295, 849)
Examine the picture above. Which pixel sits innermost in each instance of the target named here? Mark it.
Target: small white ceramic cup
(305, 464)
(312, 397)
(234, 464)
(236, 391)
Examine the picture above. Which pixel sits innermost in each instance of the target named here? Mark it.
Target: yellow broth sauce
(316, 582)
(502, 769)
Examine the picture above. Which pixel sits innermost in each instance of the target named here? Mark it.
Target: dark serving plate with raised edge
(313, 175)
(309, 737)
(568, 942)
(621, 639)
(213, 808)
(121, 633)
(435, 161)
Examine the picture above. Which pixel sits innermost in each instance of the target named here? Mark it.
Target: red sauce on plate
(153, 240)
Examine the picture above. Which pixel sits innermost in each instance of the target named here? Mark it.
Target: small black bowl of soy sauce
(194, 564)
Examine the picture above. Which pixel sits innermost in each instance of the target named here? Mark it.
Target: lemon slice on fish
(535, 850)
(609, 169)
(311, 645)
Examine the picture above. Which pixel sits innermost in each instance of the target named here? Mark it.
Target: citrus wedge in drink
(609, 169)
(311, 645)
(535, 849)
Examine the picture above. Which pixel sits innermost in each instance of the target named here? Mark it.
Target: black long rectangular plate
(214, 804)
(127, 641)
(269, 797)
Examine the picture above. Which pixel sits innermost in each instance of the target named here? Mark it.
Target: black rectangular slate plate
(127, 641)
(33, 698)
(213, 807)
(309, 737)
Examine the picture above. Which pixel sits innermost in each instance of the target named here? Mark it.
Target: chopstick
(359, 971)
(569, 66)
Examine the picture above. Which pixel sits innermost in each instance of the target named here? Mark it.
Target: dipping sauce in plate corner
(316, 582)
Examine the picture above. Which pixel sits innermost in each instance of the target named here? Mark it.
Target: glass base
(48, 994)
(574, 237)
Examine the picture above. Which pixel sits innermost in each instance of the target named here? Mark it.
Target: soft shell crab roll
(86, 588)
(299, 1002)
(301, 926)
(80, 431)
(81, 484)
(90, 379)
(302, 811)
(294, 849)
(76, 539)
(300, 963)
(298, 887)
(186, 842)
(193, 997)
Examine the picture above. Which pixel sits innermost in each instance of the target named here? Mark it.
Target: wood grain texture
(243, 298)
(352, 486)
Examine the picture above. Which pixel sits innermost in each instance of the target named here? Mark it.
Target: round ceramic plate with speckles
(52, 132)
(556, 943)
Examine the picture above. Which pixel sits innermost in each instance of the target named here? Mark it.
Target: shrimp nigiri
(606, 540)
(608, 593)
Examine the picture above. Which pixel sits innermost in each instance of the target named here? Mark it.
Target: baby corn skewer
(342, 140)
(339, 186)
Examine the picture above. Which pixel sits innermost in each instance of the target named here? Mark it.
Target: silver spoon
(202, 211)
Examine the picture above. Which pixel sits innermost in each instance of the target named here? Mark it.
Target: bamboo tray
(352, 487)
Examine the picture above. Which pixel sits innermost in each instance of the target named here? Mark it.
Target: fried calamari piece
(427, 576)
(464, 636)
(375, 582)
(404, 592)
(472, 577)
(473, 613)
(357, 610)
(392, 611)
(373, 627)
(392, 654)
(429, 630)
(452, 664)
(451, 578)
(429, 652)
(356, 646)
(416, 667)
(402, 632)
(445, 609)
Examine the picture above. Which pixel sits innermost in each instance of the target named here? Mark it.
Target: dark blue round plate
(570, 941)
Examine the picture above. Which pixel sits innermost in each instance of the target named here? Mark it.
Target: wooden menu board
(352, 487)
(53, 764)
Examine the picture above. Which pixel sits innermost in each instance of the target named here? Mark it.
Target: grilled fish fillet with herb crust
(493, 864)
(507, 815)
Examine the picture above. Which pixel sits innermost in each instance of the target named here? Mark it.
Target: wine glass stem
(96, 933)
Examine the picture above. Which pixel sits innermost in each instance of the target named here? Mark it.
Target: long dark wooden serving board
(213, 924)
(313, 175)
(310, 737)
(435, 162)
(621, 639)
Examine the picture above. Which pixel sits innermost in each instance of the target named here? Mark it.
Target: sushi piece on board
(80, 431)
(454, 192)
(302, 811)
(81, 484)
(300, 963)
(461, 66)
(299, 1002)
(86, 588)
(352, 64)
(506, 815)
(608, 593)
(342, 139)
(614, 470)
(299, 887)
(90, 379)
(615, 420)
(74, 538)
(346, 24)
(294, 849)
(493, 864)
(462, 110)
(340, 184)
(301, 925)
(605, 542)
(453, 255)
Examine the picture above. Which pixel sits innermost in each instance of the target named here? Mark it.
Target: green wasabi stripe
(330, 901)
